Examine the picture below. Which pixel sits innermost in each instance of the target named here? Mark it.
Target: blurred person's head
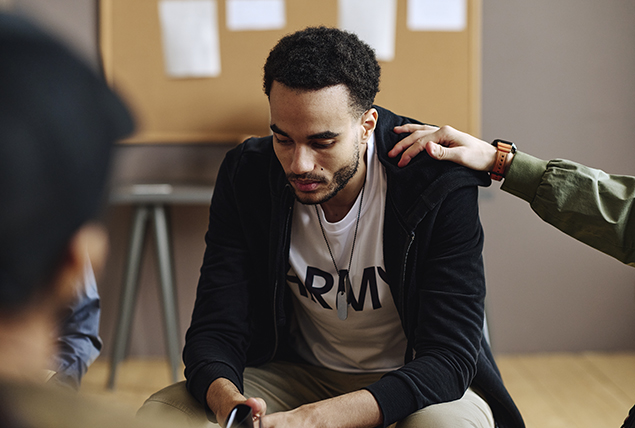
(58, 123)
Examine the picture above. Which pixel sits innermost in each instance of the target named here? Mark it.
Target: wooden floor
(589, 390)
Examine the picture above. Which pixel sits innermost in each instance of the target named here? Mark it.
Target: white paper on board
(189, 30)
(374, 21)
(437, 15)
(249, 15)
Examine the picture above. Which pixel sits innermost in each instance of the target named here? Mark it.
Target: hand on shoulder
(445, 143)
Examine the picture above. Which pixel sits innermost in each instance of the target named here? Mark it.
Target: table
(151, 203)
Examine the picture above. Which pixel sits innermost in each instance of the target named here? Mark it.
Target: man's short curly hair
(319, 57)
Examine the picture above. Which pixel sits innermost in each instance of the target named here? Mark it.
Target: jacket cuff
(394, 407)
(198, 383)
(524, 176)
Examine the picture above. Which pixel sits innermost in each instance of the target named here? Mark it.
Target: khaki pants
(285, 386)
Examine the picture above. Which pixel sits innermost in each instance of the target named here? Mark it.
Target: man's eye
(283, 141)
(322, 145)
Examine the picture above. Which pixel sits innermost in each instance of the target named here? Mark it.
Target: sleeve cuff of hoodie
(393, 407)
(199, 382)
(524, 176)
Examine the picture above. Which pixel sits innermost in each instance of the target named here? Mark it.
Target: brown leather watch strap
(503, 149)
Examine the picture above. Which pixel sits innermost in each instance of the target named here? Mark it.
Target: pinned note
(189, 30)
(437, 15)
(250, 15)
(374, 21)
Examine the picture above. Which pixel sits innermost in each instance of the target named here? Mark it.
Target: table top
(161, 193)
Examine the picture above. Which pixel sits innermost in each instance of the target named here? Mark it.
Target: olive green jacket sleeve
(595, 208)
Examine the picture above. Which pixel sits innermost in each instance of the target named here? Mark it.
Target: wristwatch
(503, 149)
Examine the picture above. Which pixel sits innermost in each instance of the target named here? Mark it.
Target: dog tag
(342, 306)
(342, 296)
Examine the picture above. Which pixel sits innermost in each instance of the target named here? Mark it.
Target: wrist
(355, 409)
(222, 396)
(508, 162)
(504, 149)
(490, 155)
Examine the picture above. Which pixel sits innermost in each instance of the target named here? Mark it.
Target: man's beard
(340, 179)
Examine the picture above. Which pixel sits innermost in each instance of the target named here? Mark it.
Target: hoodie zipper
(276, 282)
(408, 356)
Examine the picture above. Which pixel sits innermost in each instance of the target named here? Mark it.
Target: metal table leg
(168, 290)
(129, 291)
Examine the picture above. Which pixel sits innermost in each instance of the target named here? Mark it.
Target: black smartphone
(240, 417)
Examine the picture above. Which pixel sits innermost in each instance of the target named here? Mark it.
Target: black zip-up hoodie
(432, 239)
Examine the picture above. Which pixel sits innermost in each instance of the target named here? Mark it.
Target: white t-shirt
(371, 339)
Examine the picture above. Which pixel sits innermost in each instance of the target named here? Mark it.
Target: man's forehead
(339, 93)
(320, 113)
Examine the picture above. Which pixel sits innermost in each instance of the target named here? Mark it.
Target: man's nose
(302, 161)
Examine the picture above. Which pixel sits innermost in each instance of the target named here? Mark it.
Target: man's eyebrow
(277, 130)
(326, 135)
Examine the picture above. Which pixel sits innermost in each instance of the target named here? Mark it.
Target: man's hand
(223, 396)
(445, 143)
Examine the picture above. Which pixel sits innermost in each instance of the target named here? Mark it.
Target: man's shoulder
(422, 167)
(386, 137)
(253, 146)
(388, 120)
(424, 178)
(252, 152)
(252, 166)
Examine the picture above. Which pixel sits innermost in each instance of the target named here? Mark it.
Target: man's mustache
(305, 177)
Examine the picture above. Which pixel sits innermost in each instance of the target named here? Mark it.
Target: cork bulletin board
(434, 77)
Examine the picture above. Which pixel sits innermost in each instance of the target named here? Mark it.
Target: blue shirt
(79, 343)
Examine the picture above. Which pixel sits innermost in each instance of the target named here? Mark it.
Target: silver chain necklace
(344, 283)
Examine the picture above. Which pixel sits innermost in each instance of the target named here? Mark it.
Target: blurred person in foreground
(58, 123)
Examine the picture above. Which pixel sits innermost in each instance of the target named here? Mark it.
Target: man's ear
(369, 122)
(88, 245)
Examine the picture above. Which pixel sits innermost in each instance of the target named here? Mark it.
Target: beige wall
(558, 79)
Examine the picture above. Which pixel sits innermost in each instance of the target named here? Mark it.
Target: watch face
(509, 143)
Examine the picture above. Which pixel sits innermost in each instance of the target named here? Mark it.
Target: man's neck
(336, 208)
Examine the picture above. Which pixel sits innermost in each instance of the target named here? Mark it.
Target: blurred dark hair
(58, 123)
(319, 57)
